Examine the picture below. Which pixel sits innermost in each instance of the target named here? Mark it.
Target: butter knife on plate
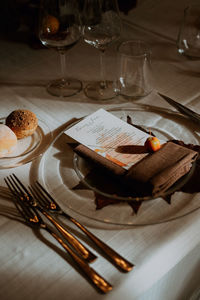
(182, 109)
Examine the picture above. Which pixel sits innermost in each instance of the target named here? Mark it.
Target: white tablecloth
(32, 264)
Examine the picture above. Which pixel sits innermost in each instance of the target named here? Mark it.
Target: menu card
(103, 133)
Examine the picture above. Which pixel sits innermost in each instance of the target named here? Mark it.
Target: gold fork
(34, 220)
(73, 241)
(46, 201)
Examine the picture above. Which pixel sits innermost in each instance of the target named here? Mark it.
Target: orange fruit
(51, 25)
(152, 144)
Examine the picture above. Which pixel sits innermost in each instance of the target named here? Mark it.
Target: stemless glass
(135, 79)
(102, 26)
(60, 29)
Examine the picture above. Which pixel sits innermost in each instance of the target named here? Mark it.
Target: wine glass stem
(63, 64)
(102, 69)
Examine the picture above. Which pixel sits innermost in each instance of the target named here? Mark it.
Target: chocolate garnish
(129, 121)
(135, 205)
(167, 198)
(102, 201)
(80, 186)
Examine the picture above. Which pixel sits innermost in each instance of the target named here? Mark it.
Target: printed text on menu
(103, 133)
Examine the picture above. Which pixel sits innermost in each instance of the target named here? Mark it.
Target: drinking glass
(101, 27)
(135, 74)
(60, 29)
(188, 41)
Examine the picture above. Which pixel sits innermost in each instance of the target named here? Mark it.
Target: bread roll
(22, 122)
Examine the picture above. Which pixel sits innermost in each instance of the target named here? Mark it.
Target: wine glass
(101, 27)
(188, 40)
(60, 29)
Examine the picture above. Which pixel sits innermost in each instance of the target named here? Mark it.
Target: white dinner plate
(61, 180)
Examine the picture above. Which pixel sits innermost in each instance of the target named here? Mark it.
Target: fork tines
(39, 195)
(21, 206)
(44, 197)
(19, 187)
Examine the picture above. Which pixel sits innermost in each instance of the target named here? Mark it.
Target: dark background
(22, 14)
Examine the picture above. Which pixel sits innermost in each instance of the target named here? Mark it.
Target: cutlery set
(36, 201)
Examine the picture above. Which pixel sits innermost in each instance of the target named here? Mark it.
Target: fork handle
(80, 248)
(116, 258)
(103, 285)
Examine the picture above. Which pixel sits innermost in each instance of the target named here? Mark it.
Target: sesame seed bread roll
(22, 122)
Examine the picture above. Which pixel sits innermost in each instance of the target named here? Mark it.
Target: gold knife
(183, 109)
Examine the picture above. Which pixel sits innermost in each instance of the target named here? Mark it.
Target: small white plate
(29, 148)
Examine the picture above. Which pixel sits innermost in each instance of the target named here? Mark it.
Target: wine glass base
(99, 91)
(64, 88)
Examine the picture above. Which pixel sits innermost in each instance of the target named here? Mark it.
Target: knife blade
(183, 109)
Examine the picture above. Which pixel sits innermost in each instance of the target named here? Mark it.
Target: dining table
(165, 250)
